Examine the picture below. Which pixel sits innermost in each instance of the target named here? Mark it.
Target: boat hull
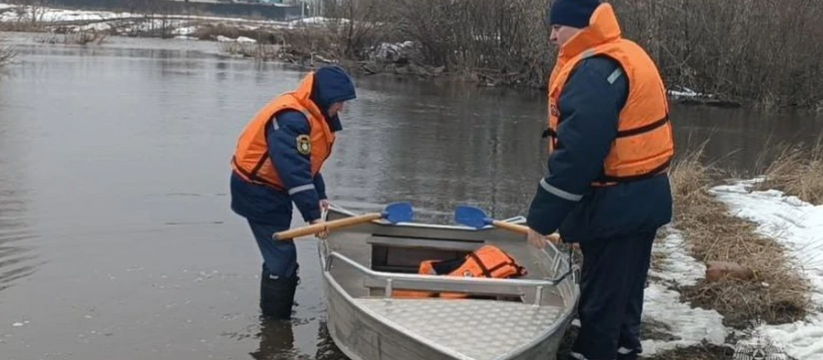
(365, 324)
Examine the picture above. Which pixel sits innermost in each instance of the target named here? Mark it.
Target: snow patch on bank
(689, 325)
(798, 226)
(684, 92)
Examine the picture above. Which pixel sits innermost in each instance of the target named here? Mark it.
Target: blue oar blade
(398, 212)
(470, 216)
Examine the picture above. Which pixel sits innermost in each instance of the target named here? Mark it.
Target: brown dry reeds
(777, 294)
(797, 169)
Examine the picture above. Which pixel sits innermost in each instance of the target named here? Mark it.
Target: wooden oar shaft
(520, 228)
(513, 227)
(329, 225)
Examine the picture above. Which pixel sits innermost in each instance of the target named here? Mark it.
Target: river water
(116, 237)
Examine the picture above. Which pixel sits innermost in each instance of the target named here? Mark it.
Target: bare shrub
(354, 26)
(757, 50)
(501, 40)
(80, 37)
(763, 51)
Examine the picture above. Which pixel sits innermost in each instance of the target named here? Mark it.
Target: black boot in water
(277, 295)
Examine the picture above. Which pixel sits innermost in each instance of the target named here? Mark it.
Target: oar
(475, 217)
(394, 213)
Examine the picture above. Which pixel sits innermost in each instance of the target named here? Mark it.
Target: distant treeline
(767, 52)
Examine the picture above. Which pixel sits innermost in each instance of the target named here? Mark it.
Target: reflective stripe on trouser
(611, 296)
(279, 256)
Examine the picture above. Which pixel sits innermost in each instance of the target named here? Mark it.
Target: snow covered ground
(794, 223)
(799, 227)
(10, 12)
(182, 27)
(691, 325)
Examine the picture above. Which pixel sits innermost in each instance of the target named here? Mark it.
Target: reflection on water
(116, 239)
(17, 261)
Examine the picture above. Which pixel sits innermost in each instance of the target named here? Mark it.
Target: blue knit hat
(332, 84)
(574, 13)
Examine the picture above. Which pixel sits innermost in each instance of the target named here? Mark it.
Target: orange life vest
(486, 262)
(251, 158)
(644, 144)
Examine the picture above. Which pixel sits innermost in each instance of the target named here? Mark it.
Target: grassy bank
(775, 293)
(796, 169)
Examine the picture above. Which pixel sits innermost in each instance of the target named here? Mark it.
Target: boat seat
(356, 276)
(404, 254)
(424, 243)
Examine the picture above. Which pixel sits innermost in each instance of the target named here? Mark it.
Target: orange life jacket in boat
(486, 262)
(251, 160)
(644, 144)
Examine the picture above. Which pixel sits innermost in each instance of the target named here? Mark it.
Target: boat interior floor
(479, 329)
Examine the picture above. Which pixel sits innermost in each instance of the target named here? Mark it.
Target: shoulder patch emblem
(304, 144)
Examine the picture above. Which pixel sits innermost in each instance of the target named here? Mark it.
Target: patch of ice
(799, 227)
(681, 92)
(186, 30)
(318, 20)
(691, 325)
(390, 51)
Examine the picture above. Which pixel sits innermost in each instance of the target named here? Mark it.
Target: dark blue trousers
(613, 278)
(279, 256)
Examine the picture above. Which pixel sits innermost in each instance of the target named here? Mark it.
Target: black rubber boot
(277, 295)
(276, 341)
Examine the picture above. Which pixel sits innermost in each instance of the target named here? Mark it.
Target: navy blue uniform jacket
(264, 204)
(589, 108)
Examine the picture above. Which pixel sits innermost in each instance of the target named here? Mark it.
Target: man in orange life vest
(607, 187)
(276, 162)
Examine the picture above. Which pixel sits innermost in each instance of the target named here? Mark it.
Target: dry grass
(797, 170)
(778, 294)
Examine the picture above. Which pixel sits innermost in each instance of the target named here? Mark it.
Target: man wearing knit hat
(277, 161)
(610, 144)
